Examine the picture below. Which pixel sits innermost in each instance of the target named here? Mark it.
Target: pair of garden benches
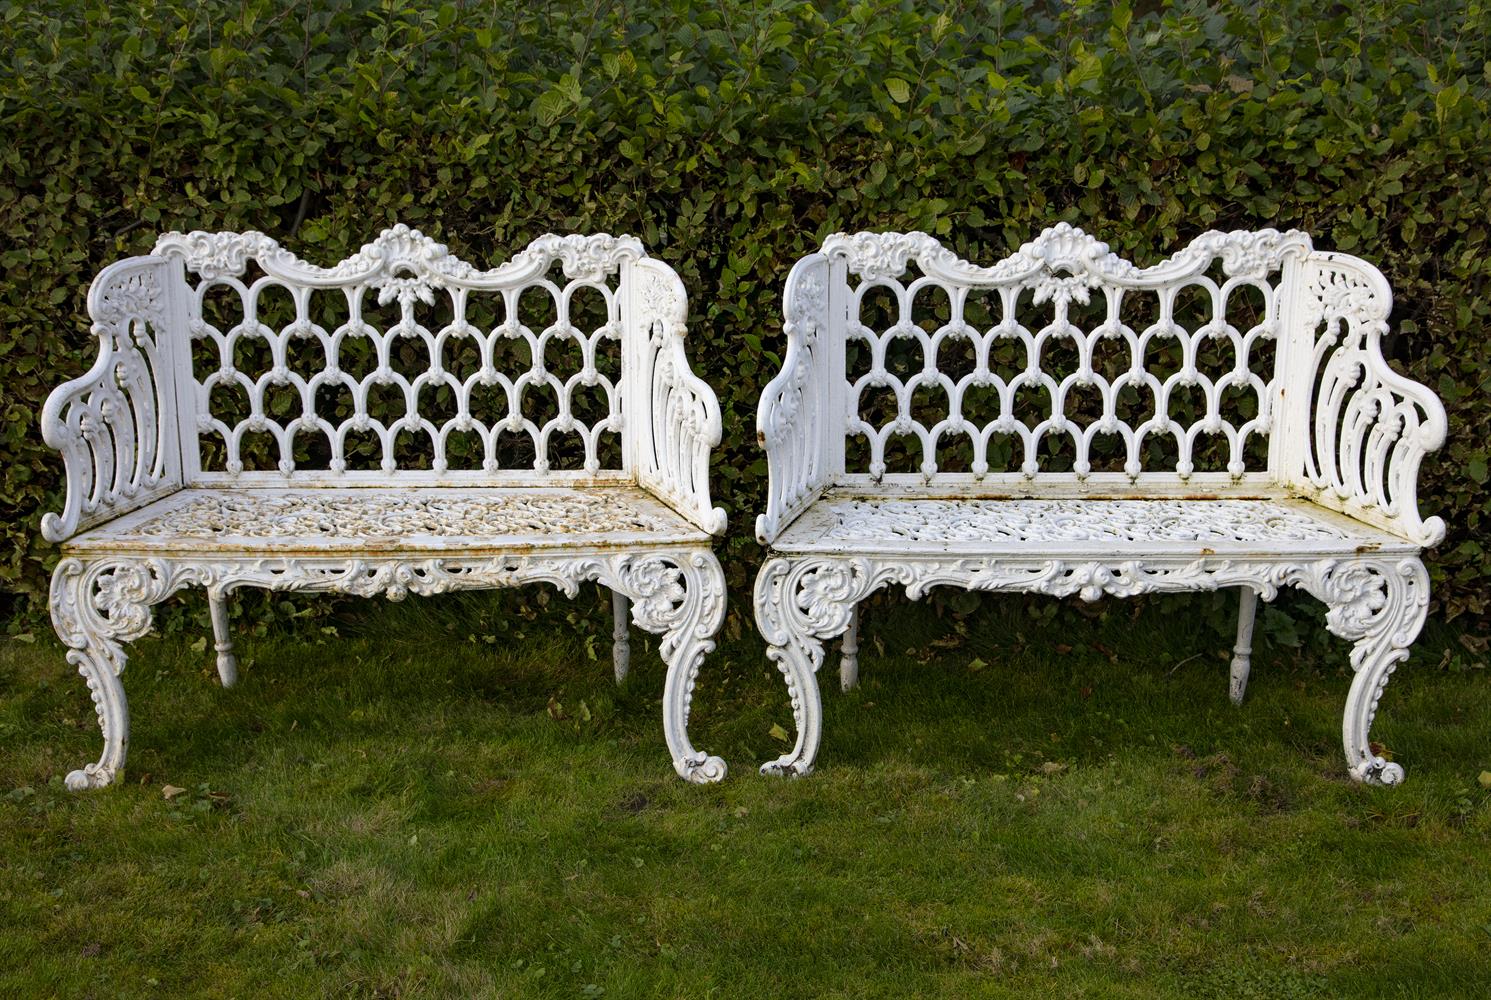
(1063, 422)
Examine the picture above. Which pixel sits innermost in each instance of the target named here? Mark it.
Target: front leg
(96, 608)
(1381, 605)
(800, 602)
(680, 595)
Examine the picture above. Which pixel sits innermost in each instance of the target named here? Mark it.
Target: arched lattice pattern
(1050, 374)
(407, 365)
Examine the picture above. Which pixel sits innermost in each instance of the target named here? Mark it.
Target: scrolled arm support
(791, 415)
(680, 414)
(113, 424)
(1370, 427)
(1379, 606)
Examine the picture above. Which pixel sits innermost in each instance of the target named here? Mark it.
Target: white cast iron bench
(1065, 422)
(401, 422)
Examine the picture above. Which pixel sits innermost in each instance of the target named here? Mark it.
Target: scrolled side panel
(115, 425)
(672, 416)
(795, 419)
(1369, 427)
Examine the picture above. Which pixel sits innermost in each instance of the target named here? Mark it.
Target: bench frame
(127, 430)
(1356, 453)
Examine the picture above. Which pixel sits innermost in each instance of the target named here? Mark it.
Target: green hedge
(731, 136)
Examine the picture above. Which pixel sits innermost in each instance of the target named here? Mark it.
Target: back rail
(1064, 270)
(427, 378)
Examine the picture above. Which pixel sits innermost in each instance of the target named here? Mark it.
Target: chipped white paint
(1325, 501)
(143, 518)
(428, 518)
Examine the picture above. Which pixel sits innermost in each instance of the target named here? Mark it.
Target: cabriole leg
(1382, 606)
(797, 654)
(621, 643)
(849, 654)
(681, 596)
(227, 663)
(1242, 651)
(96, 608)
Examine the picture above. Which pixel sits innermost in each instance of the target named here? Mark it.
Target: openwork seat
(1077, 528)
(400, 423)
(1066, 422)
(429, 520)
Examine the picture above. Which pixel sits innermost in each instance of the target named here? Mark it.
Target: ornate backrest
(402, 362)
(1061, 359)
(1247, 361)
(225, 359)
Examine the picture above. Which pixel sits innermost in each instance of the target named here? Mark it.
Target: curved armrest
(791, 418)
(678, 413)
(1371, 427)
(115, 425)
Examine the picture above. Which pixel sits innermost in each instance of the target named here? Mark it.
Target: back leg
(849, 665)
(621, 642)
(227, 663)
(1242, 651)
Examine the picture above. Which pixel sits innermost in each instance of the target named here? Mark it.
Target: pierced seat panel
(376, 520)
(1251, 526)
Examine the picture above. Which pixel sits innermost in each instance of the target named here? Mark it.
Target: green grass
(396, 811)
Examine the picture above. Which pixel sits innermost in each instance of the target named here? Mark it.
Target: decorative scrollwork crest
(1063, 262)
(401, 258)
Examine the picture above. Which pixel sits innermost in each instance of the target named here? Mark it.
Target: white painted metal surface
(536, 422)
(1066, 422)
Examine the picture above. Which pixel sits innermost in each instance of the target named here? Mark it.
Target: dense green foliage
(1006, 808)
(731, 137)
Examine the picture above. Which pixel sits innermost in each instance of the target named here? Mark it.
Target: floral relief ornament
(1064, 262)
(1336, 292)
(397, 251)
(359, 517)
(1041, 520)
(135, 295)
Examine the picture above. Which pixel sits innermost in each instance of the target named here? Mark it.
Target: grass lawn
(1059, 805)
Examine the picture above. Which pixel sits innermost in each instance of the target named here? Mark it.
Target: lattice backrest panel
(403, 359)
(1061, 358)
